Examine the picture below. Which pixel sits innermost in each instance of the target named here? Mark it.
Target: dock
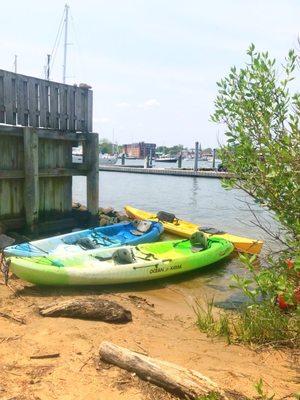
(166, 171)
(40, 122)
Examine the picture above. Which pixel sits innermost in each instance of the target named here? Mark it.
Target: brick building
(139, 150)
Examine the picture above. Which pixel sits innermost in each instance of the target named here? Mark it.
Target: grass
(208, 323)
(211, 396)
(260, 324)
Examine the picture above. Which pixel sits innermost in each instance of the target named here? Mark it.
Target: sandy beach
(163, 326)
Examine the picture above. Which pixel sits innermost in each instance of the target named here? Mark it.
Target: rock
(107, 211)
(103, 222)
(122, 217)
(5, 241)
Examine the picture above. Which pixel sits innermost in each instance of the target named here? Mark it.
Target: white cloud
(123, 104)
(148, 104)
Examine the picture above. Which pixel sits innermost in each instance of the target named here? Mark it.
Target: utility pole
(66, 42)
(48, 67)
(16, 63)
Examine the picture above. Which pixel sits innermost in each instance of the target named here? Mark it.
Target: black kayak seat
(166, 217)
(141, 227)
(86, 243)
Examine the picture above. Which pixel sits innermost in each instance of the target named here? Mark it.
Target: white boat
(104, 159)
(167, 159)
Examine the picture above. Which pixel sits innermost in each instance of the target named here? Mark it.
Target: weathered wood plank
(11, 223)
(78, 110)
(44, 173)
(31, 103)
(2, 106)
(20, 88)
(9, 100)
(42, 103)
(71, 108)
(43, 97)
(44, 134)
(54, 112)
(31, 187)
(89, 117)
(63, 93)
(91, 155)
(11, 174)
(11, 198)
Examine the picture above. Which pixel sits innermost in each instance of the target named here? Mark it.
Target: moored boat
(122, 265)
(186, 229)
(166, 159)
(125, 233)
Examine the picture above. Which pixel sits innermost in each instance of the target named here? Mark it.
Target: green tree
(173, 151)
(262, 118)
(105, 146)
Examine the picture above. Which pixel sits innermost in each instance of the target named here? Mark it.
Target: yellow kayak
(186, 229)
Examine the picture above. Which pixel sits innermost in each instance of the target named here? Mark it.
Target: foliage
(263, 140)
(107, 147)
(262, 121)
(210, 396)
(260, 320)
(259, 386)
(172, 151)
(280, 278)
(210, 324)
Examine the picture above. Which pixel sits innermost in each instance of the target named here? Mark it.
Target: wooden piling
(214, 159)
(180, 160)
(123, 159)
(31, 177)
(92, 159)
(196, 156)
(146, 162)
(150, 159)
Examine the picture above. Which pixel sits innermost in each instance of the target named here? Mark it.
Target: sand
(163, 326)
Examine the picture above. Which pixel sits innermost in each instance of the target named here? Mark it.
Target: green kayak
(120, 265)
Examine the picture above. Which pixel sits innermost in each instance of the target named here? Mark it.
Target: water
(200, 200)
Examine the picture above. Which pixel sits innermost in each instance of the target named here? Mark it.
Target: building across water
(139, 150)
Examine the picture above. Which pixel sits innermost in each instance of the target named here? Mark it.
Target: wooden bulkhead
(40, 122)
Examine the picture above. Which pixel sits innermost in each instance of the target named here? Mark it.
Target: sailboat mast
(66, 42)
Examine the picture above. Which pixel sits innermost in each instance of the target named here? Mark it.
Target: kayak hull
(168, 259)
(106, 236)
(186, 229)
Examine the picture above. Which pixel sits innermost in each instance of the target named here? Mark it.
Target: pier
(40, 122)
(166, 171)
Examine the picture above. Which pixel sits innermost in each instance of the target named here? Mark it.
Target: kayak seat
(167, 217)
(210, 230)
(86, 243)
(141, 227)
(198, 242)
(123, 256)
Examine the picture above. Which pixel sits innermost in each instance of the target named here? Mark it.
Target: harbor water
(201, 200)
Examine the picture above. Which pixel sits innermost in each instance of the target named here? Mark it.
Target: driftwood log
(88, 308)
(185, 383)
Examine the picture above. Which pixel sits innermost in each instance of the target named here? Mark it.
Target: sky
(153, 64)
